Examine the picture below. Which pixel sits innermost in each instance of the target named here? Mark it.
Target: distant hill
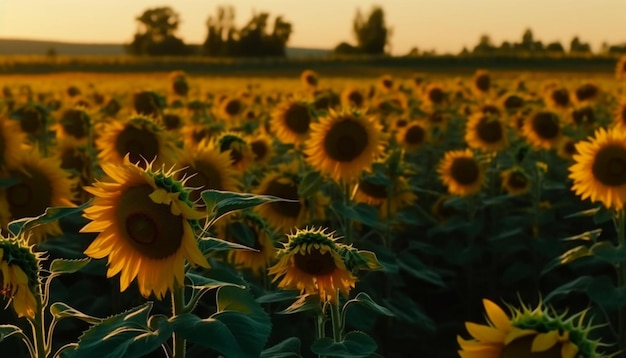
(35, 47)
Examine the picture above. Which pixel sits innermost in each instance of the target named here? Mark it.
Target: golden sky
(444, 25)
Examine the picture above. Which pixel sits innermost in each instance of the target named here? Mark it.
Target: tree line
(157, 27)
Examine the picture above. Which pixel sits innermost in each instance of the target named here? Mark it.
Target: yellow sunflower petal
(569, 350)
(485, 333)
(544, 341)
(497, 316)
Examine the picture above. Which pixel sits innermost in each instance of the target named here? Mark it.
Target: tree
(372, 34)
(576, 46)
(555, 48)
(156, 33)
(485, 46)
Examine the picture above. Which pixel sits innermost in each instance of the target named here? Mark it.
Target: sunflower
(343, 144)
(583, 116)
(74, 123)
(558, 98)
(542, 129)
(513, 102)
(12, 142)
(566, 148)
(19, 275)
(434, 95)
(148, 103)
(376, 194)
(41, 183)
(262, 148)
(291, 121)
(619, 115)
(386, 83)
(230, 108)
(76, 160)
(352, 97)
(179, 83)
(140, 137)
(256, 261)
(461, 172)
(528, 333)
(145, 224)
(237, 147)
(481, 82)
(205, 168)
(283, 183)
(309, 79)
(33, 120)
(412, 136)
(442, 211)
(515, 181)
(599, 171)
(587, 92)
(195, 133)
(486, 132)
(311, 262)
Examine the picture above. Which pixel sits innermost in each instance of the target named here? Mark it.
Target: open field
(415, 192)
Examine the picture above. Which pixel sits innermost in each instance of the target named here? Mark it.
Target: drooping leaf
(65, 266)
(578, 285)
(60, 310)
(212, 244)
(278, 296)
(605, 251)
(365, 300)
(567, 257)
(7, 330)
(304, 303)
(309, 184)
(416, 268)
(51, 214)
(289, 348)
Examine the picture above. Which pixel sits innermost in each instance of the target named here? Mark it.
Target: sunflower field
(170, 215)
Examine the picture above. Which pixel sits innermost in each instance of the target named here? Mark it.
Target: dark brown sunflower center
(489, 130)
(584, 115)
(521, 348)
(623, 113)
(546, 125)
(199, 134)
(465, 171)
(373, 190)
(147, 103)
(436, 117)
(346, 140)
(233, 107)
(180, 87)
(31, 196)
(387, 83)
(400, 123)
(483, 82)
(260, 149)
(561, 97)
(75, 123)
(311, 80)
(435, 95)
(31, 121)
(139, 143)
(414, 135)
(298, 118)
(206, 177)
(586, 92)
(356, 98)
(72, 160)
(171, 121)
(286, 190)
(490, 109)
(315, 263)
(609, 165)
(570, 148)
(149, 228)
(517, 180)
(513, 102)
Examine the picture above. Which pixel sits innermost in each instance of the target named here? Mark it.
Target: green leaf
(605, 251)
(201, 281)
(584, 213)
(64, 266)
(567, 257)
(7, 330)
(309, 184)
(51, 214)
(62, 310)
(113, 336)
(8, 182)
(416, 268)
(406, 309)
(578, 285)
(289, 348)
(220, 203)
(241, 232)
(309, 302)
(603, 292)
(591, 235)
(240, 328)
(354, 345)
(362, 213)
(278, 296)
(212, 244)
(364, 299)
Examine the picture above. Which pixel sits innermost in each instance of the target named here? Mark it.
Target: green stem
(621, 279)
(335, 315)
(39, 333)
(319, 325)
(178, 306)
(348, 239)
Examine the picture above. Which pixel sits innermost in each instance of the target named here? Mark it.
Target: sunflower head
(619, 115)
(75, 123)
(251, 225)
(486, 132)
(587, 92)
(344, 143)
(412, 136)
(461, 172)
(148, 103)
(309, 78)
(179, 83)
(599, 171)
(352, 97)
(513, 102)
(515, 181)
(19, 275)
(529, 332)
(482, 81)
(231, 107)
(559, 98)
(146, 225)
(434, 95)
(32, 119)
(262, 148)
(238, 148)
(291, 121)
(311, 262)
(542, 129)
(385, 83)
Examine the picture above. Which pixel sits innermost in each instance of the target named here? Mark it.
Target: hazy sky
(444, 25)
